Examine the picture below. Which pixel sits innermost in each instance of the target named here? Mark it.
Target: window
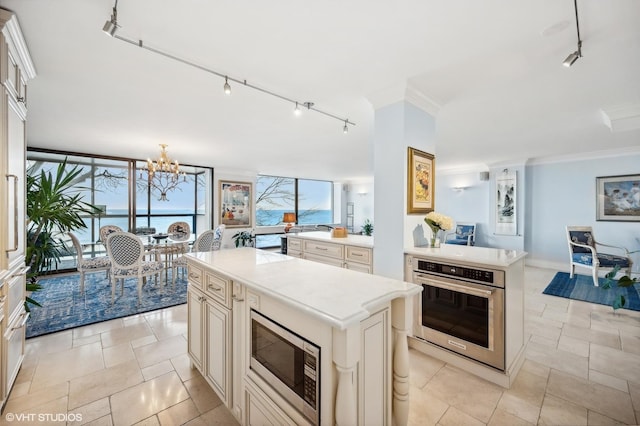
(310, 200)
(108, 183)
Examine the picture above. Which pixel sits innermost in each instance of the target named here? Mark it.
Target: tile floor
(582, 368)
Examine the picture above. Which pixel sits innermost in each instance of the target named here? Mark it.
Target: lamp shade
(289, 217)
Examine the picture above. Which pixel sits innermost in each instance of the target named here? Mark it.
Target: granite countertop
(339, 297)
(469, 254)
(350, 239)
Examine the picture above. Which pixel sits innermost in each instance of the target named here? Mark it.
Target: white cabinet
(209, 329)
(15, 70)
(338, 252)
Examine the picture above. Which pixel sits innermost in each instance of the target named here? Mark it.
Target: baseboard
(547, 264)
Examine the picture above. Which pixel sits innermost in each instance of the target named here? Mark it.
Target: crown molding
(593, 155)
(622, 118)
(404, 92)
(17, 45)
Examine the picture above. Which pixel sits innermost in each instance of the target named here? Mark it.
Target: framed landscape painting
(618, 198)
(420, 181)
(235, 204)
(506, 203)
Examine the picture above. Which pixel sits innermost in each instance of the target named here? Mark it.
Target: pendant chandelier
(164, 174)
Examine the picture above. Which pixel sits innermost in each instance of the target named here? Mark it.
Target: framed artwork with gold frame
(420, 181)
(235, 204)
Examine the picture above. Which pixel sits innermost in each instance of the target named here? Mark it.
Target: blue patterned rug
(581, 287)
(63, 307)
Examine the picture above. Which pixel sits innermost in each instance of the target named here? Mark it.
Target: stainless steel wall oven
(461, 309)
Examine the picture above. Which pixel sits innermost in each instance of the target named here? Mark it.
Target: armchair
(464, 234)
(583, 252)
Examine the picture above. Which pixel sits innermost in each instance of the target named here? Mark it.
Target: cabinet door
(15, 181)
(195, 303)
(326, 260)
(218, 363)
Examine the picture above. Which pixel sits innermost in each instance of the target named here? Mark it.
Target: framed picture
(235, 204)
(506, 202)
(421, 182)
(618, 198)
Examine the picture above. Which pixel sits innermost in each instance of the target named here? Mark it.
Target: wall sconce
(459, 188)
(362, 194)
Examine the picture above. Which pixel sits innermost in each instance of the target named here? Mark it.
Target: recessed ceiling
(493, 68)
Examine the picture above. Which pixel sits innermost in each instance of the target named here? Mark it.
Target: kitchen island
(359, 324)
(471, 311)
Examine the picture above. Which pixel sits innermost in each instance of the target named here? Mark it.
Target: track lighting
(578, 53)
(111, 26)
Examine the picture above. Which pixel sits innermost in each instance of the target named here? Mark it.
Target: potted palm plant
(54, 206)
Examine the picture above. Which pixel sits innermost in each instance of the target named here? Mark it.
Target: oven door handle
(460, 288)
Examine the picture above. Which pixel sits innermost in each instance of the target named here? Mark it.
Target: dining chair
(126, 252)
(583, 252)
(179, 230)
(207, 241)
(93, 264)
(104, 232)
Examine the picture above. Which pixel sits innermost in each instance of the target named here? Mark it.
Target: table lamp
(288, 219)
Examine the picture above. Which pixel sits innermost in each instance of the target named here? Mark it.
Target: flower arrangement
(437, 222)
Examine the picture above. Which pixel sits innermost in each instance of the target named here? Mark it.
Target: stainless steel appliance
(461, 309)
(287, 362)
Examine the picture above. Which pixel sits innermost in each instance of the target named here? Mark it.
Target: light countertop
(469, 254)
(350, 239)
(339, 297)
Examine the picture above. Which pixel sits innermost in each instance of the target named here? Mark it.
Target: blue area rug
(63, 307)
(581, 287)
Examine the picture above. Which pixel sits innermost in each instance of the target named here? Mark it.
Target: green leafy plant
(624, 281)
(367, 227)
(243, 239)
(54, 206)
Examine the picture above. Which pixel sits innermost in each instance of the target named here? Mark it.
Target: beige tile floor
(582, 368)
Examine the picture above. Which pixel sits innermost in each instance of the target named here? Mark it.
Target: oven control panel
(474, 274)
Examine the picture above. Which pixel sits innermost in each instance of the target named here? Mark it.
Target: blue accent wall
(551, 195)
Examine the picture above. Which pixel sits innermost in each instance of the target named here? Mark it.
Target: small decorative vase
(433, 242)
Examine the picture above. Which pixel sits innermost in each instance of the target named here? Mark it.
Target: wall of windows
(312, 201)
(120, 187)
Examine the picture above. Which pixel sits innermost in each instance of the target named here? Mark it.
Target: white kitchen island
(359, 322)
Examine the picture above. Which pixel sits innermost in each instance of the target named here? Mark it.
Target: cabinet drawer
(294, 253)
(195, 275)
(294, 244)
(361, 267)
(219, 288)
(358, 254)
(324, 249)
(323, 259)
(13, 296)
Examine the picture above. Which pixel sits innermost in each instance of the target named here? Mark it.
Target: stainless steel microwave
(289, 363)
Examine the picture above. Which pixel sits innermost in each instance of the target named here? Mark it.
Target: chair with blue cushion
(583, 252)
(464, 235)
(93, 264)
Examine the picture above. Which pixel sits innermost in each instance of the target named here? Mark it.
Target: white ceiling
(492, 68)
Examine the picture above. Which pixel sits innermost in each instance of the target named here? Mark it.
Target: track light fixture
(578, 53)
(297, 112)
(111, 26)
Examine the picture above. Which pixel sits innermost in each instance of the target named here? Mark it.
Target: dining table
(166, 247)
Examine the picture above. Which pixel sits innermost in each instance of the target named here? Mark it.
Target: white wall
(361, 195)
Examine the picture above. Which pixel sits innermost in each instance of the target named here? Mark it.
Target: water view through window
(310, 200)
